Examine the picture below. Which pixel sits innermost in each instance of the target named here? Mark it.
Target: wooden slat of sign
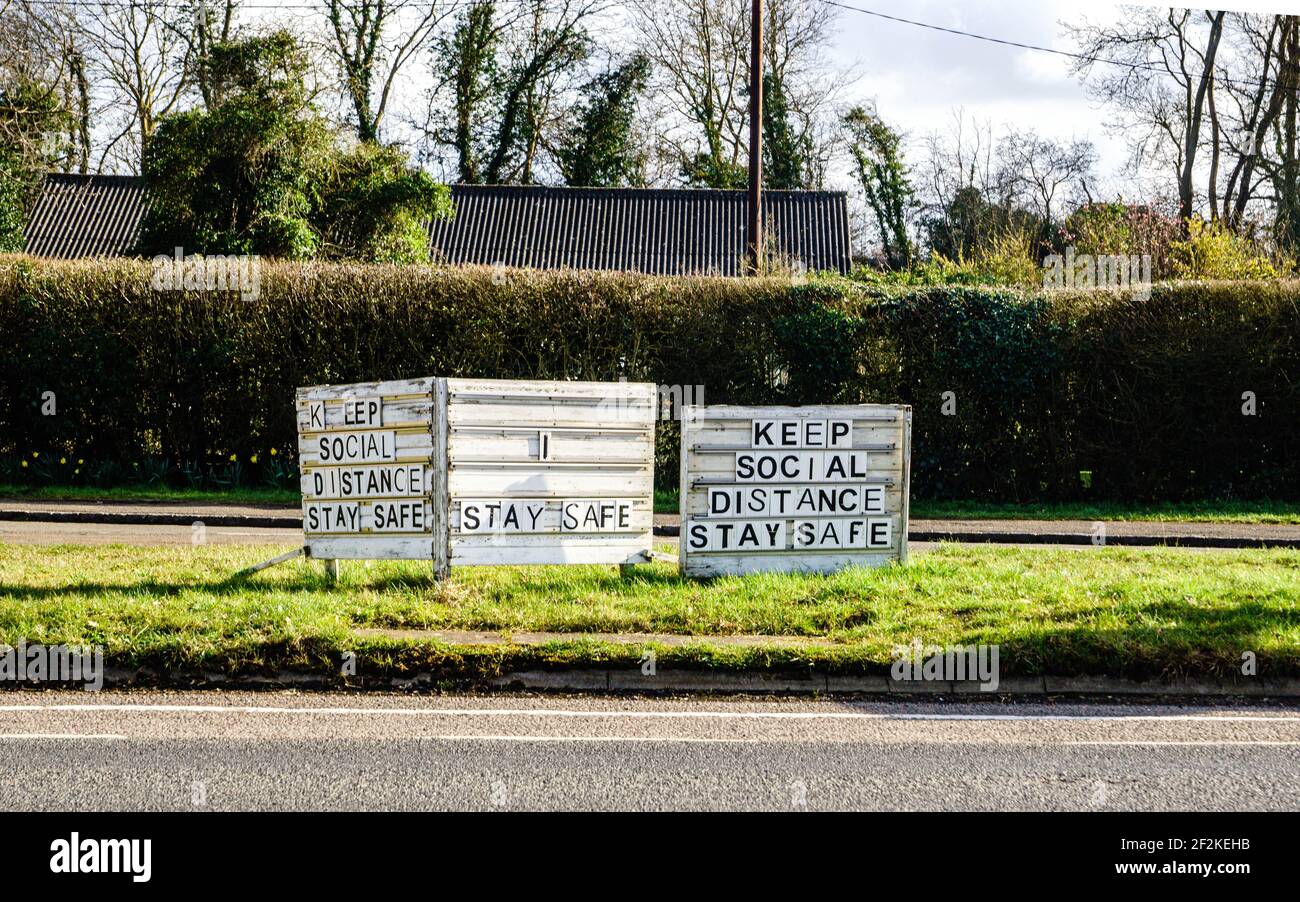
(552, 472)
(368, 481)
(366, 455)
(372, 446)
(465, 554)
(367, 517)
(370, 548)
(881, 413)
(706, 565)
(811, 489)
(561, 446)
(697, 503)
(553, 483)
(537, 515)
(395, 414)
(401, 388)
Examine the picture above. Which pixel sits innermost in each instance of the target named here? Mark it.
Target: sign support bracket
(300, 551)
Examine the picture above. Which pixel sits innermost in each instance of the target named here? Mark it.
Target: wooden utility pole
(756, 137)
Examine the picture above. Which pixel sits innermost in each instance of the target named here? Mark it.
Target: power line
(1081, 57)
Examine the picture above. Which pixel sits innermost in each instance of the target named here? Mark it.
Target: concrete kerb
(668, 681)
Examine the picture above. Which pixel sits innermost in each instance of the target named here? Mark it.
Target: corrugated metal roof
(85, 216)
(650, 230)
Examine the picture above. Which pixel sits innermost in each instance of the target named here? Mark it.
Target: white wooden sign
(793, 488)
(475, 471)
(366, 454)
(549, 472)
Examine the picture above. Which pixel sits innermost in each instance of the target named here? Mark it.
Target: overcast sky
(919, 76)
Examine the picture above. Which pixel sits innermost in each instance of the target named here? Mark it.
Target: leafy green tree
(598, 150)
(710, 170)
(36, 132)
(467, 60)
(785, 150)
(14, 190)
(878, 167)
(373, 206)
(499, 84)
(262, 172)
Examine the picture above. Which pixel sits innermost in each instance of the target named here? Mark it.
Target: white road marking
(719, 715)
(506, 737)
(61, 736)
(1150, 742)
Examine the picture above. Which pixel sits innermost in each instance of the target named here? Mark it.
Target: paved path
(35, 533)
(217, 751)
(172, 521)
(40, 533)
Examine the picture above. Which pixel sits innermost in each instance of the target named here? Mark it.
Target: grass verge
(1189, 511)
(128, 494)
(1120, 612)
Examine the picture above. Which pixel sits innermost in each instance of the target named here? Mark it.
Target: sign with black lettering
(366, 453)
(550, 472)
(475, 471)
(793, 488)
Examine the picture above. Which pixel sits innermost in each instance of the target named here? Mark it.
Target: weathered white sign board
(812, 489)
(366, 453)
(550, 472)
(476, 471)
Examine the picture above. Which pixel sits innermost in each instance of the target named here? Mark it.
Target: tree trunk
(1192, 137)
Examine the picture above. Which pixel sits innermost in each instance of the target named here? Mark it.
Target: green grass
(126, 494)
(1116, 611)
(1199, 511)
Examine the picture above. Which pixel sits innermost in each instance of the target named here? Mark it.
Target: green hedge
(1057, 397)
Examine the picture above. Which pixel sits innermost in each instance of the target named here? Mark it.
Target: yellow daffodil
(253, 459)
(63, 460)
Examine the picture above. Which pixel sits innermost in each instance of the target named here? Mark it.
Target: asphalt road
(213, 751)
(19, 532)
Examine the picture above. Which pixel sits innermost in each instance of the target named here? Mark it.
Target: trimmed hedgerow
(1056, 396)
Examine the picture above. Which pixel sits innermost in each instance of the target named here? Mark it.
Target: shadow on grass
(558, 579)
(1174, 639)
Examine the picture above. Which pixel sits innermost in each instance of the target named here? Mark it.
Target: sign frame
(581, 453)
(758, 466)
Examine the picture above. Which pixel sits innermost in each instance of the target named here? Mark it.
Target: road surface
(281, 751)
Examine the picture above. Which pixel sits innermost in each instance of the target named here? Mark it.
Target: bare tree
(1039, 170)
(202, 24)
(1157, 69)
(699, 51)
(370, 41)
(137, 55)
(1260, 87)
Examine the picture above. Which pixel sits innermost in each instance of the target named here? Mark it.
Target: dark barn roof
(85, 216)
(650, 230)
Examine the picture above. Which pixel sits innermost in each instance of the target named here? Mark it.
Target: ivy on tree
(262, 172)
